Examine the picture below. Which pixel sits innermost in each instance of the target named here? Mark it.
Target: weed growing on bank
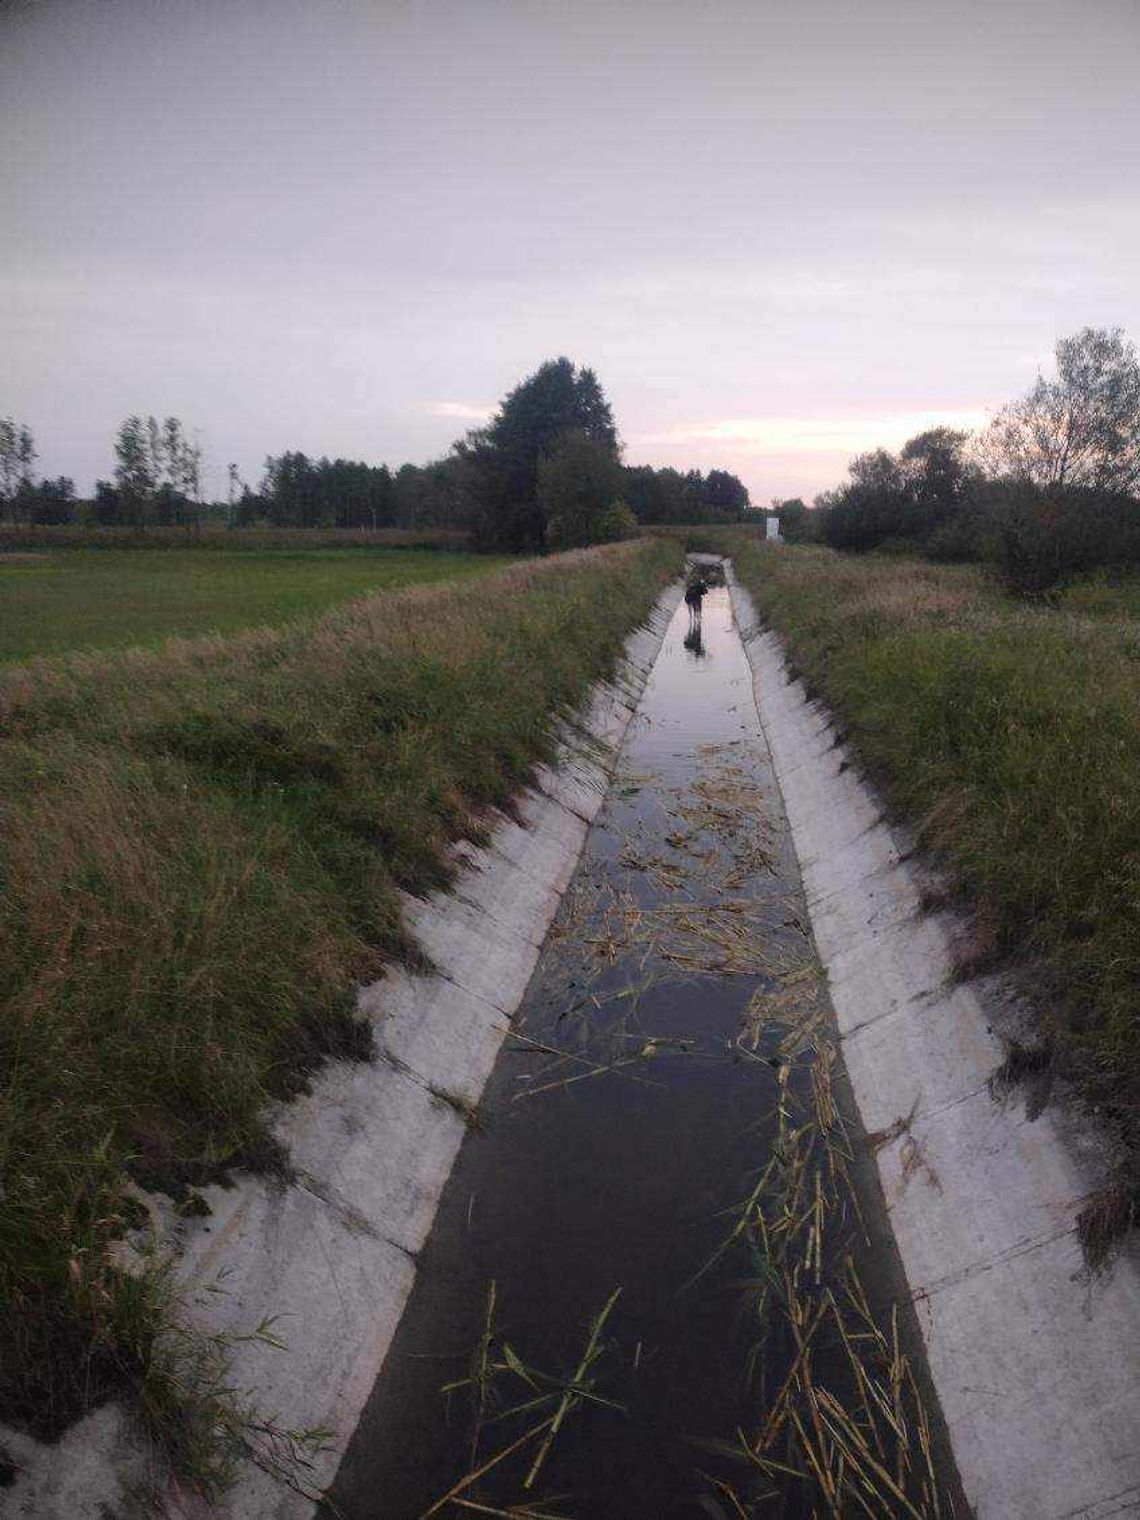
(201, 856)
(1010, 736)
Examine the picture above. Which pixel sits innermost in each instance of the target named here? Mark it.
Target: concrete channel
(674, 1011)
(648, 988)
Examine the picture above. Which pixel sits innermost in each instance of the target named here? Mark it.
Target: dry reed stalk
(485, 1467)
(858, 1441)
(566, 1394)
(569, 1398)
(515, 1513)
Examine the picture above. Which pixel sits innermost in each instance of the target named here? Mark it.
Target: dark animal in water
(694, 596)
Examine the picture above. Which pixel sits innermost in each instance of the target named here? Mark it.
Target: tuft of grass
(1011, 735)
(82, 598)
(1107, 1217)
(201, 855)
(1023, 1063)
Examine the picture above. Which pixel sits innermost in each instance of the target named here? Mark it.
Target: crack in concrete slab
(989, 1264)
(352, 1219)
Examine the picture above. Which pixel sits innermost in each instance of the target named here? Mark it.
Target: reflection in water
(694, 643)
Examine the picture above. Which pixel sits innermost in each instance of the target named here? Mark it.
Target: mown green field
(67, 599)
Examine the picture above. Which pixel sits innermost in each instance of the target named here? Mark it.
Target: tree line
(21, 496)
(1047, 491)
(545, 472)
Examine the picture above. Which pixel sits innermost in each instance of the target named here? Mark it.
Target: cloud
(459, 409)
(810, 435)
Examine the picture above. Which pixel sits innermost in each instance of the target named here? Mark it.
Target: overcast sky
(781, 231)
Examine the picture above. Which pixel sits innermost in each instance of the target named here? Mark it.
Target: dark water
(685, 905)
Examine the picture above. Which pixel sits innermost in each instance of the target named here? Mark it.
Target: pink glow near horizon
(781, 234)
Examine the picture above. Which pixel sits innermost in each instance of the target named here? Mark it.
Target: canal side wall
(328, 1263)
(1037, 1365)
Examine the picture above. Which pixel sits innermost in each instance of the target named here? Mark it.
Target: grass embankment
(67, 599)
(200, 858)
(1009, 735)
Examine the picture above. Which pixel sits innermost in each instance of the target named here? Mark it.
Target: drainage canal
(658, 1284)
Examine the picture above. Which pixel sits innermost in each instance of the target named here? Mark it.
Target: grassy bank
(53, 602)
(1009, 735)
(201, 852)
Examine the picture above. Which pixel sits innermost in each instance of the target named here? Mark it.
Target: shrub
(958, 541)
(615, 523)
(1041, 537)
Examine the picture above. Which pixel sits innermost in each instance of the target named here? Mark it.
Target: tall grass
(201, 854)
(1010, 736)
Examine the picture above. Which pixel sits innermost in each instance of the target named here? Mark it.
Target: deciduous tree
(726, 493)
(578, 483)
(1081, 428)
(134, 470)
(17, 460)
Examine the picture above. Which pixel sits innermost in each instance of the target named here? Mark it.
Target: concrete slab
(917, 1057)
(847, 905)
(334, 1291)
(891, 964)
(607, 715)
(1026, 1190)
(847, 867)
(577, 782)
(464, 945)
(508, 892)
(824, 824)
(1008, 1404)
(83, 1473)
(545, 841)
(354, 1116)
(445, 1035)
